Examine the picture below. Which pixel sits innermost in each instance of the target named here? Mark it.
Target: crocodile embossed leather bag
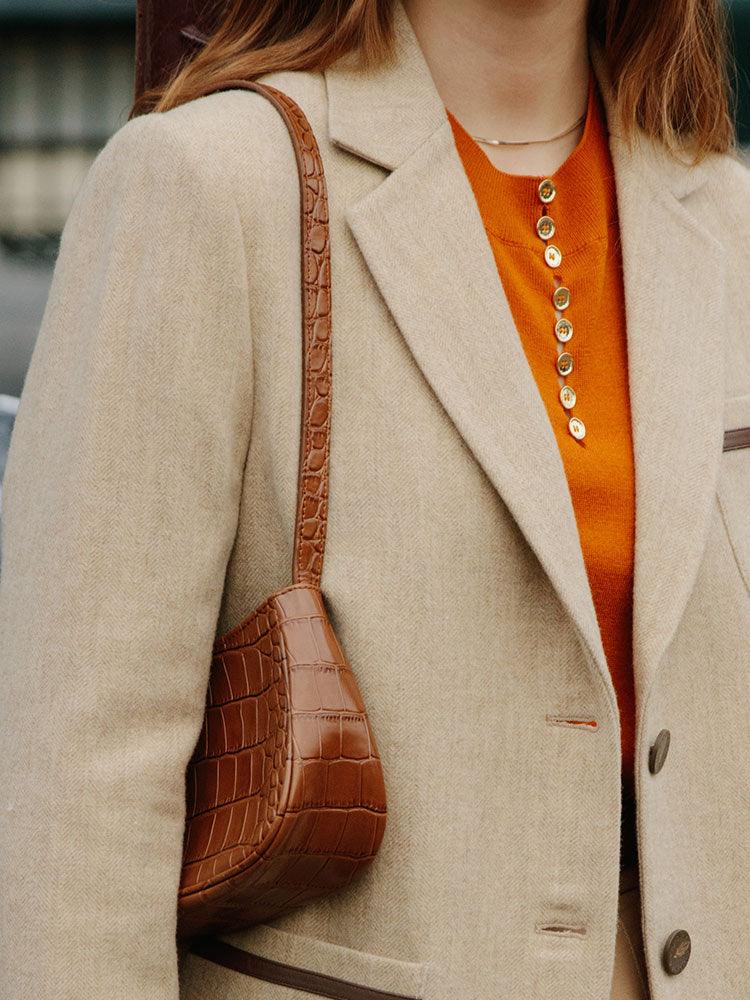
(285, 791)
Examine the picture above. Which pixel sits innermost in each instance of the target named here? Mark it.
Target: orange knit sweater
(599, 467)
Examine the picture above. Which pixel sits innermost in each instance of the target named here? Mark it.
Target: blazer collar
(421, 235)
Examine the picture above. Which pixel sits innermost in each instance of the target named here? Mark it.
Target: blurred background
(66, 84)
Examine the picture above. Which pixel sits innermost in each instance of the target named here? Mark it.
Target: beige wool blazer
(150, 501)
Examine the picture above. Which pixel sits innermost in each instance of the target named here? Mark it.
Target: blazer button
(676, 952)
(658, 752)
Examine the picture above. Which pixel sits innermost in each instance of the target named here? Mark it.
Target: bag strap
(315, 430)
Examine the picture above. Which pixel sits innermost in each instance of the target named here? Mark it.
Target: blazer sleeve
(119, 513)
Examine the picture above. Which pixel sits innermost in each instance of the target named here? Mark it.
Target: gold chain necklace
(528, 142)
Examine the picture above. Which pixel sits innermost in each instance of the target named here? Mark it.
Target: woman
(485, 532)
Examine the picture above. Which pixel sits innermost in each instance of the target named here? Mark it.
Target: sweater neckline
(585, 204)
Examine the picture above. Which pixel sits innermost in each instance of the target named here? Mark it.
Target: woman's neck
(509, 69)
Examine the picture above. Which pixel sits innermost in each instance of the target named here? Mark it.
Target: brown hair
(668, 59)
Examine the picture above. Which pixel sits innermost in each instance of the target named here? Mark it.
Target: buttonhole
(561, 930)
(579, 722)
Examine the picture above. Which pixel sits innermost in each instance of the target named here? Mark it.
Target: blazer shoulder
(231, 142)
(226, 110)
(722, 203)
(729, 174)
(728, 182)
(218, 165)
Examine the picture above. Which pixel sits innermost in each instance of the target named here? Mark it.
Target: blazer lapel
(674, 283)
(422, 238)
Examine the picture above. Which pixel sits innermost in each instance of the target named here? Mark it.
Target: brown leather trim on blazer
(737, 438)
(291, 976)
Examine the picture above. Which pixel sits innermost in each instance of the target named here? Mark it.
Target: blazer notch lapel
(423, 240)
(674, 275)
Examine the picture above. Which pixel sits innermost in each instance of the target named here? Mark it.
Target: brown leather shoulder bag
(285, 791)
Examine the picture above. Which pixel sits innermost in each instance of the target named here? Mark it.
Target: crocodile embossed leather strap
(312, 491)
